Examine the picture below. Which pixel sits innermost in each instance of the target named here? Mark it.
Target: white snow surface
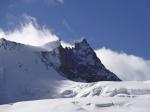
(87, 104)
(91, 97)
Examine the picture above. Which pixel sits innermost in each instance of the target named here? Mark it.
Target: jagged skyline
(119, 25)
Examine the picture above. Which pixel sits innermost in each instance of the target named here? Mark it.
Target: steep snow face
(23, 75)
(81, 63)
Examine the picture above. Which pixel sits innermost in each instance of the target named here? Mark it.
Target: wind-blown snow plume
(29, 33)
(127, 67)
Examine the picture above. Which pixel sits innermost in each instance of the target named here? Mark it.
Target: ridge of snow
(51, 45)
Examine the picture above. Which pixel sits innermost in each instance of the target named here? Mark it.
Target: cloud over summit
(127, 67)
(30, 33)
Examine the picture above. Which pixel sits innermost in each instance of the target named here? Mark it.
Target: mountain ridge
(71, 62)
(26, 75)
(80, 63)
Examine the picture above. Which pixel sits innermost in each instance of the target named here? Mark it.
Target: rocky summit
(79, 63)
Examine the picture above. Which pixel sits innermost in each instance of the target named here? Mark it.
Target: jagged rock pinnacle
(81, 63)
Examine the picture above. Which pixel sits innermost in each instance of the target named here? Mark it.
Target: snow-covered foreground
(111, 89)
(91, 104)
(132, 96)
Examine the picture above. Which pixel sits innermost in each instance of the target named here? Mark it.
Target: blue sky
(122, 25)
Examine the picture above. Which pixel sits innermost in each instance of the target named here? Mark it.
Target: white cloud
(127, 67)
(61, 1)
(67, 25)
(29, 32)
(55, 1)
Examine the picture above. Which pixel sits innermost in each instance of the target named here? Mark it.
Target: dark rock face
(81, 63)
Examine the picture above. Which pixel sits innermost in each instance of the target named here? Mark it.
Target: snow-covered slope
(114, 97)
(108, 89)
(96, 104)
(23, 75)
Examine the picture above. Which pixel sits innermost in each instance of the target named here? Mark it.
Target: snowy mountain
(28, 72)
(23, 75)
(34, 73)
